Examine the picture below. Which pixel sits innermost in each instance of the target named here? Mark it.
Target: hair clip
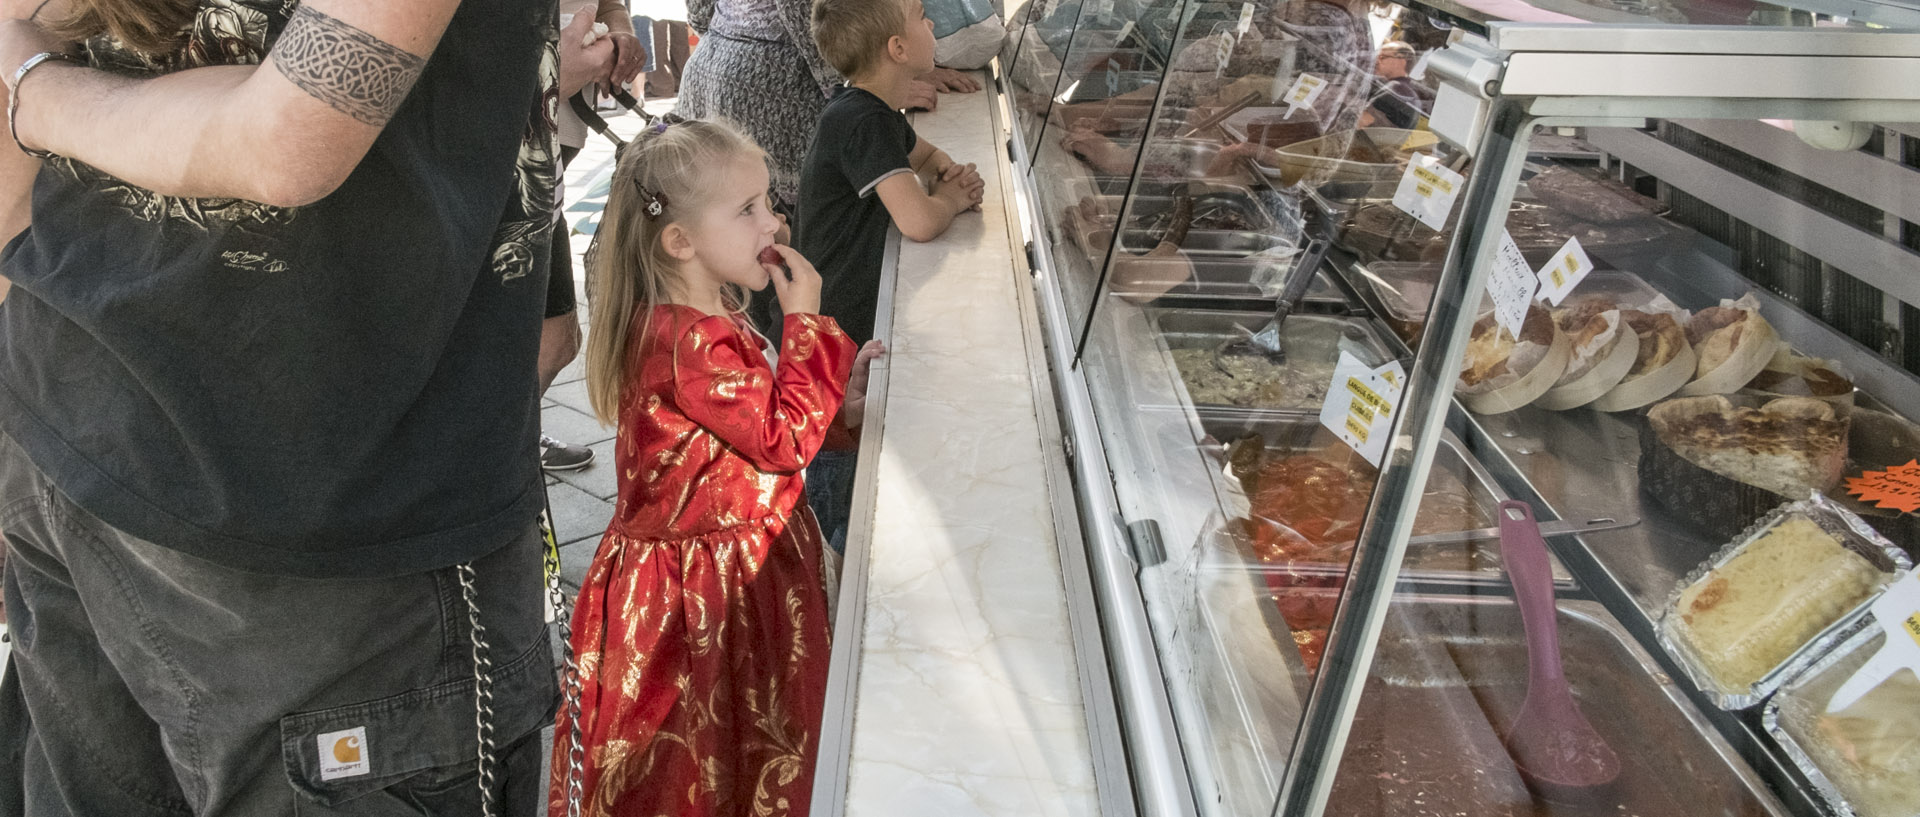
(656, 203)
(661, 126)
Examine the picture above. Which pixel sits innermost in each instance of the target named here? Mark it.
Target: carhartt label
(344, 754)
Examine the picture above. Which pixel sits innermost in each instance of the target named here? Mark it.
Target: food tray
(1458, 563)
(1314, 343)
(1376, 230)
(1790, 716)
(1310, 159)
(1225, 264)
(1846, 528)
(1448, 678)
(1171, 159)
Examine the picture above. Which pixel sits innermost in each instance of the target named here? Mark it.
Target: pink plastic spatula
(1552, 744)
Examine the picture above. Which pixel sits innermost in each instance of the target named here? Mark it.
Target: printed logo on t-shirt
(344, 754)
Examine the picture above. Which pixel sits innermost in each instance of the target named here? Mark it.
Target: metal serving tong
(1266, 342)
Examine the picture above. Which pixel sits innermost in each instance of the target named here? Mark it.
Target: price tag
(1898, 612)
(1113, 78)
(1427, 190)
(1564, 271)
(1305, 90)
(1125, 29)
(1102, 8)
(1897, 488)
(1223, 48)
(1511, 285)
(1246, 18)
(1360, 404)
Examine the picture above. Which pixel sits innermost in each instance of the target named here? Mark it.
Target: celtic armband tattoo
(352, 71)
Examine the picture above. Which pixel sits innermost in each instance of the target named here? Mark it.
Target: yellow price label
(1360, 410)
(1559, 279)
(1912, 626)
(1362, 394)
(1358, 430)
(1432, 179)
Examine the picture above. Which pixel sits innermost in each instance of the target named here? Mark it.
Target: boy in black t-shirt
(860, 173)
(864, 171)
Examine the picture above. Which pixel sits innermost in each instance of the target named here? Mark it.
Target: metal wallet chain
(483, 715)
(569, 669)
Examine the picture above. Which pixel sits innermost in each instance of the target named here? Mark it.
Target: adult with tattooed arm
(268, 406)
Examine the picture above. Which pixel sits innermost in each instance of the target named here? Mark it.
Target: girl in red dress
(701, 629)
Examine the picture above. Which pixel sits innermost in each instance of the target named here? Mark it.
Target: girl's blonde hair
(631, 272)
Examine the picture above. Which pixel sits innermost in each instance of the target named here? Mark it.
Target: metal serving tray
(1469, 561)
(1174, 158)
(1225, 265)
(1313, 343)
(1448, 678)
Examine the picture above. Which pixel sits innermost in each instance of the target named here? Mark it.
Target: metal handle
(1303, 271)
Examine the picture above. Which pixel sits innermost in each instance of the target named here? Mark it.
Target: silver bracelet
(13, 95)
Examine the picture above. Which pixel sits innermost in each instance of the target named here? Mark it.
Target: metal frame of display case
(1522, 77)
(1697, 72)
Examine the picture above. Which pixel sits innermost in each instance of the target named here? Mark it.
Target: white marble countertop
(967, 699)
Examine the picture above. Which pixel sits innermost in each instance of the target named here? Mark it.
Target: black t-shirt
(341, 389)
(841, 224)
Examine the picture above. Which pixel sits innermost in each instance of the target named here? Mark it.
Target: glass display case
(1343, 297)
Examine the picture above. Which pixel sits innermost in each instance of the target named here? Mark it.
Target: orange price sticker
(1897, 488)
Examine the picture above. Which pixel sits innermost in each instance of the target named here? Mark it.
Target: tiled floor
(582, 501)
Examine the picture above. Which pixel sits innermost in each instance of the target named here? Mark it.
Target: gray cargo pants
(147, 682)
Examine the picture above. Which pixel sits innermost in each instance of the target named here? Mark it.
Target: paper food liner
(1595, 367)
(1791, 374)
(1635, 391)
(1756, 347)
(1532, 369)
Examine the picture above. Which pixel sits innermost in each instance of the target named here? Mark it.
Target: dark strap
(599, 124)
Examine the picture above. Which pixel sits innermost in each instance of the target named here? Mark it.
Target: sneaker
(558, 456)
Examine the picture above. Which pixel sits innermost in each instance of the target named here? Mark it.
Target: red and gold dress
(701, 625)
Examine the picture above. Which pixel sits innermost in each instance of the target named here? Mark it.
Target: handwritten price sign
(1897, 488)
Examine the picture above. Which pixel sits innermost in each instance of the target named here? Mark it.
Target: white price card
(1246, 18)
(1125, 29)
(1427, 191)
(1511, 284)
(1563, 272)
(1898, 611)
(1305, 90)
(1360, 404)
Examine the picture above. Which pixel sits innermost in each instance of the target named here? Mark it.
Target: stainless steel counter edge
(849, 620)
(1096, 680)
(833, 778)
(1157, 770)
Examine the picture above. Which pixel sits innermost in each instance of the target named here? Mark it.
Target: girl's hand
(853, 410)
(797, 283)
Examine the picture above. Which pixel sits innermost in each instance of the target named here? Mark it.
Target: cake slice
(1747, 616)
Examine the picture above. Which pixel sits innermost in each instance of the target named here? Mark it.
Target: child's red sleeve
(775, 420)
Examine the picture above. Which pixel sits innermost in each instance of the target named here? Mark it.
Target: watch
(13, 94)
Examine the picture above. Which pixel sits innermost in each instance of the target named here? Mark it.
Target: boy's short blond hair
(853, 34)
